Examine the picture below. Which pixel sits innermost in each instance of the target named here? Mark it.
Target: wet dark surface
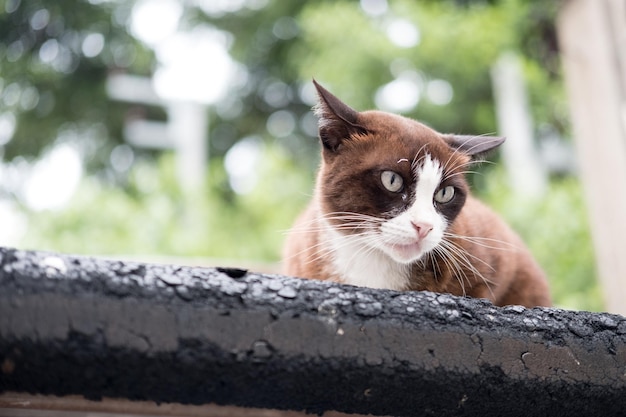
(97, 328)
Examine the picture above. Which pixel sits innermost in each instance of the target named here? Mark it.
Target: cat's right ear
(474, 146)
(337, 120)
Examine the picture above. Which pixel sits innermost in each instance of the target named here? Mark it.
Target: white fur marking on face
(428, 179)
(399, 231)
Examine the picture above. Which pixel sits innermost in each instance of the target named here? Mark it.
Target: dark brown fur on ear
(337, 120)
(475, 146)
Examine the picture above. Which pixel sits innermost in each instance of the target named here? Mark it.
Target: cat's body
(392, 210)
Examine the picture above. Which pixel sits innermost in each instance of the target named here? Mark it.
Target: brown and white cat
(392, 209)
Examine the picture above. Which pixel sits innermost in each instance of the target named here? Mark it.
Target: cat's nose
(422, 229)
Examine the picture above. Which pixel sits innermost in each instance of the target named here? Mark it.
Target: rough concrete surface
(74, 325)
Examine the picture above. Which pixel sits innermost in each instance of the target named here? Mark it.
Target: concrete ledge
(171, 334)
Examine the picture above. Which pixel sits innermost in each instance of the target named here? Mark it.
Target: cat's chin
(406, 253)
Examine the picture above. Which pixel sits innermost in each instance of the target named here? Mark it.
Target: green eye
(445, 195)
(392, 181)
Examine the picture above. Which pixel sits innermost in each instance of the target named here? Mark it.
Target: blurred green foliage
(55, 85)
(282, 45)
(153, 216)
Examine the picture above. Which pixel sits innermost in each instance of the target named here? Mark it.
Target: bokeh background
(159, 128)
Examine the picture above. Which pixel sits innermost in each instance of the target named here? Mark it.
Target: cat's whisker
(422, 263)
(477, 240)
(460, 156)
(436, 267)
(348, 218)
(482, 142)
(461, 173)
(320, 228)
(433, 262)
(452, 265)
(364, 224)
(339, 242)
(464, 256)
(399, 235)
(353, 221)
(416, 161)
(455, 260)
(456, 164)
(351, 225)
(304, 251)
(328, 247)
(472, 163)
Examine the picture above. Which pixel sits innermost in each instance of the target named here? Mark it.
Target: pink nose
(422, 229)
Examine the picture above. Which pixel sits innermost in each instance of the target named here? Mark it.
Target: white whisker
(452, 264)
(464, 257)
(416, 161)
(480, 241)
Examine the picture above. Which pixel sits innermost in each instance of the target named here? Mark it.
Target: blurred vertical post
(187, 126)
(592, 36)
(184, 131)
(526, 172)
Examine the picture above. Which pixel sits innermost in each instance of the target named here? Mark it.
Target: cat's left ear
(474, 146)
(337, 121)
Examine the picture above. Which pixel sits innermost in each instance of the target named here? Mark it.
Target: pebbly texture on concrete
(164, 333)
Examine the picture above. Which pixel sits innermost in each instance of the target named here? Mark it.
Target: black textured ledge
(97, 328)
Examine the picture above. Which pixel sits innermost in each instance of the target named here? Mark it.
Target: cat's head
(388, 182)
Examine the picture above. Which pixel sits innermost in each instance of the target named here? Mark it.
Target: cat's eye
(445, 195)
(392, 181)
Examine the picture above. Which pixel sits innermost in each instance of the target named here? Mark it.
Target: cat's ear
(337, 120)
(474, 146)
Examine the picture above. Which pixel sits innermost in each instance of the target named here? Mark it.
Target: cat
(392, 210)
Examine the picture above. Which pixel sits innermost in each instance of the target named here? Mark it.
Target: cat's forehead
(392, 122)
(403, 138)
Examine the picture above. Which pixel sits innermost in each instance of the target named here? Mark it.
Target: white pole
(187, 126)
(526, 173)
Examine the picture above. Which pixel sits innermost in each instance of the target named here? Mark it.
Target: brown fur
(356, 146)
